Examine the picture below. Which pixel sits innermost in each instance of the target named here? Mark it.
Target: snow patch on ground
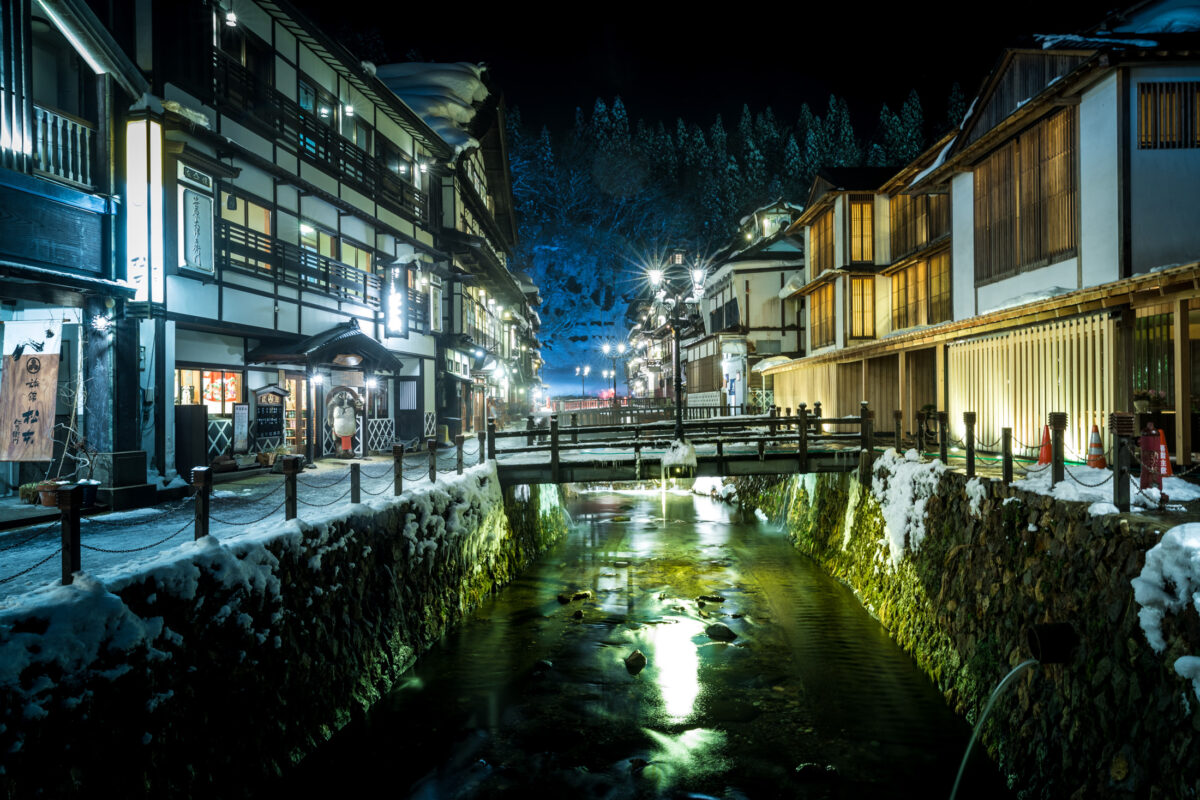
(902, 485)
(1094, 486)
(1168, 584)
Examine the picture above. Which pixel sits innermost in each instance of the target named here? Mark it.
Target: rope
(319, 505)
(30, 569)
(145, 547)
(36, 534)
(323, 485)
(1083, 483)
(260, 519)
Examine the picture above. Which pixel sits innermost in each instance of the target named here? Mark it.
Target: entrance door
(295, 418)
(409, 424)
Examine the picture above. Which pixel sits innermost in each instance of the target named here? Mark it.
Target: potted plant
(1141, 400)
(48, 492)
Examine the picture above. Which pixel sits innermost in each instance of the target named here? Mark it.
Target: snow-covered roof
(1073, 41)
(1182, 18)
(445, 96)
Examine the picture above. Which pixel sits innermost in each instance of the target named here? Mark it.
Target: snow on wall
(112, 669)
(1169, 585)
(902, 485)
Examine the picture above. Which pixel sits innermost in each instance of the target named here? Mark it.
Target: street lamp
(583, 372)
(614, 354)
(676, 300)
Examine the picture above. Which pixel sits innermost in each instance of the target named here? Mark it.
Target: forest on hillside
(596, 203)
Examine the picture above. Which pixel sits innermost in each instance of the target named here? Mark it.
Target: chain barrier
(139, 549)
(988, 445)
(240, 501)
(1033, 470)
(30, 569)
(319, 505)
(373, 476)
(381, 490)
(140, 520)
(1084, 483)
(323, 485)
(251, 521)
(47, 529)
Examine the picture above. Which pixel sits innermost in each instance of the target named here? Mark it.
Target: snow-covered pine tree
(956, 107)
(912, 125)
(794, 170)
(619, 138)
(843, 147)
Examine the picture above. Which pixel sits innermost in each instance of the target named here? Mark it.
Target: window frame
(1182, 99)
(823, 316)
(861, 217)
(862, 307)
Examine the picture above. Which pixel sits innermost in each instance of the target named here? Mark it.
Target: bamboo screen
(1015, 379)
(822, 243)
(807, 384)
(862, 228)
(1168, 115)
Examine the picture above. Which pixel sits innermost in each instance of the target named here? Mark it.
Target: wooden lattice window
(862, 308)
(822, 242)
(822, 317)
(862, 228)
(1168, 115)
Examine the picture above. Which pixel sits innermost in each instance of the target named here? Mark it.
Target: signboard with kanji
(28, 388)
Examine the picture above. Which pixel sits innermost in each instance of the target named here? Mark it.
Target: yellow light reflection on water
(677, 666)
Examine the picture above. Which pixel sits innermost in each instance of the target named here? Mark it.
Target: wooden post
(458, 453)
(529, 426)
(921, 433)
(491, 437)
(969, 418)
(202, 480)
(554, 448)
(1006, 455)
(898, 421)
(720, 455)
(762, 450)
(866, 454)
(70, 501)
(771, 424)
(431, 444)
(398, 468)
(291, 466)
(802, 445)
(1183, 385)
(787, 414)
(482, 447)
(1122, 427)
(355, 482)
(944, 437)
(574, 428)
(817, 417)
(1058, 424)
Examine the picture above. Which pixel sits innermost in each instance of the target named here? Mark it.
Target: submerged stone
(635, 662)
(720, 632)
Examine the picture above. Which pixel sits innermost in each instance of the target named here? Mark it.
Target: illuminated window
(218, 390)
(1168, 115)
(862, 228)
(921, 293)
(939, 288)
(821, 234)
(248, 235)
(356, 256)
(317, 240)
(822, 316)
(862, 307)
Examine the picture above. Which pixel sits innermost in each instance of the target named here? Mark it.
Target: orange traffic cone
(1164, 458)
(1044, 455)
(1095, 457)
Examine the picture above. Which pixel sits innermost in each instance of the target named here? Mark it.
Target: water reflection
(676, 665)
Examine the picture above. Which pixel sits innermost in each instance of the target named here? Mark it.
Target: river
(534, 695)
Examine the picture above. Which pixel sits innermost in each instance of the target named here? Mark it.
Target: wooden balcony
(63, 147)
(243, 250)
(263, 108)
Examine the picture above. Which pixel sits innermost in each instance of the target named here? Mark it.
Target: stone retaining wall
(1117, 722)
(209, 672)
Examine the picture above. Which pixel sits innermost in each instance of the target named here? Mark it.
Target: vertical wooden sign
(28, 389)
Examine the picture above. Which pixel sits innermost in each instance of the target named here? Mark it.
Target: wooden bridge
(726, 446)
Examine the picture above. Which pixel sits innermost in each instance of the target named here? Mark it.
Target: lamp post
(614, 354)
(583, 372)
(675, 299)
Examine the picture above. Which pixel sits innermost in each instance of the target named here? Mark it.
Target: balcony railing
(263, 107)
(242, 249)
(63, 146)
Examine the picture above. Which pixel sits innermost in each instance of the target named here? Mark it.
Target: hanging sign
(395, 302)
(28, 388)
(196, 224)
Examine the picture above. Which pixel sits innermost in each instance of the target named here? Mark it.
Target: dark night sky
(669, 62)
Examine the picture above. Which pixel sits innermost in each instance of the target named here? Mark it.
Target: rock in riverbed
(635, 662)
(720, 632)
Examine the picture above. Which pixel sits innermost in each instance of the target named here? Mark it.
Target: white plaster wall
(1164, 188)
(962, 245)
(248, 309)
(1029, 285)
(840, 256)
(883, 229)
(208, 348)
(187, 296)
(1099, 188)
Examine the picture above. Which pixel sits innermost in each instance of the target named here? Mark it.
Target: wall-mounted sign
(28, 387)
(195, 177)
(144, 209)
(196, 232)
(241, 428)
(395, 302)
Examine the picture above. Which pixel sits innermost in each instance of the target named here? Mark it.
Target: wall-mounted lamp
(231, 18)
(348, 110)
(230, 202)
(318, 380)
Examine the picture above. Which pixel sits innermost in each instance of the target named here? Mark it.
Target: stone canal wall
(208, 670)
(956, 579)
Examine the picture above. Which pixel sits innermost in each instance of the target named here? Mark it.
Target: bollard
(921, 433)
(944, 437)
(355, 482)
(866, 446)
(554, 448)
(1006, 455)
(898, 421)
(574, 428)
(397, 469)
(969, 418)
(817, 417)
(431, 444)
(482, 447)
(1123, 427)
(70, 501)
(458, 453)
(202, 480)
(1058, 424)
(491, 437)
(802, 444)
(291, 466)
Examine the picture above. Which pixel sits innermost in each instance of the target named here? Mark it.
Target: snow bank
(1094, 486)
(902, 485)
(715, 488)
(1168, 584)
(681, 454)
